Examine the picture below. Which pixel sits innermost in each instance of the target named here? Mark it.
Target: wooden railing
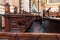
(29, 36)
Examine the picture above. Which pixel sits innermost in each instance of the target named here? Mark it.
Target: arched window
(35, 6)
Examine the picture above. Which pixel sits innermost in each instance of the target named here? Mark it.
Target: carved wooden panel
(19, 22)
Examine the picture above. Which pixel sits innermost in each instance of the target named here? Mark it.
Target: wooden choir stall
(18, 21)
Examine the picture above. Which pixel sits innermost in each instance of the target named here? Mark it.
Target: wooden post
(7, 8)
(59, 9)
(44, 13)
(15, 10)
(20, 6)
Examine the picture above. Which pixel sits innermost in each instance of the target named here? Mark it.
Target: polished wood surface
(51, 18)
(29, 36)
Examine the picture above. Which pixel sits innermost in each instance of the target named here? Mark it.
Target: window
(34, 6)
(53, 1)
